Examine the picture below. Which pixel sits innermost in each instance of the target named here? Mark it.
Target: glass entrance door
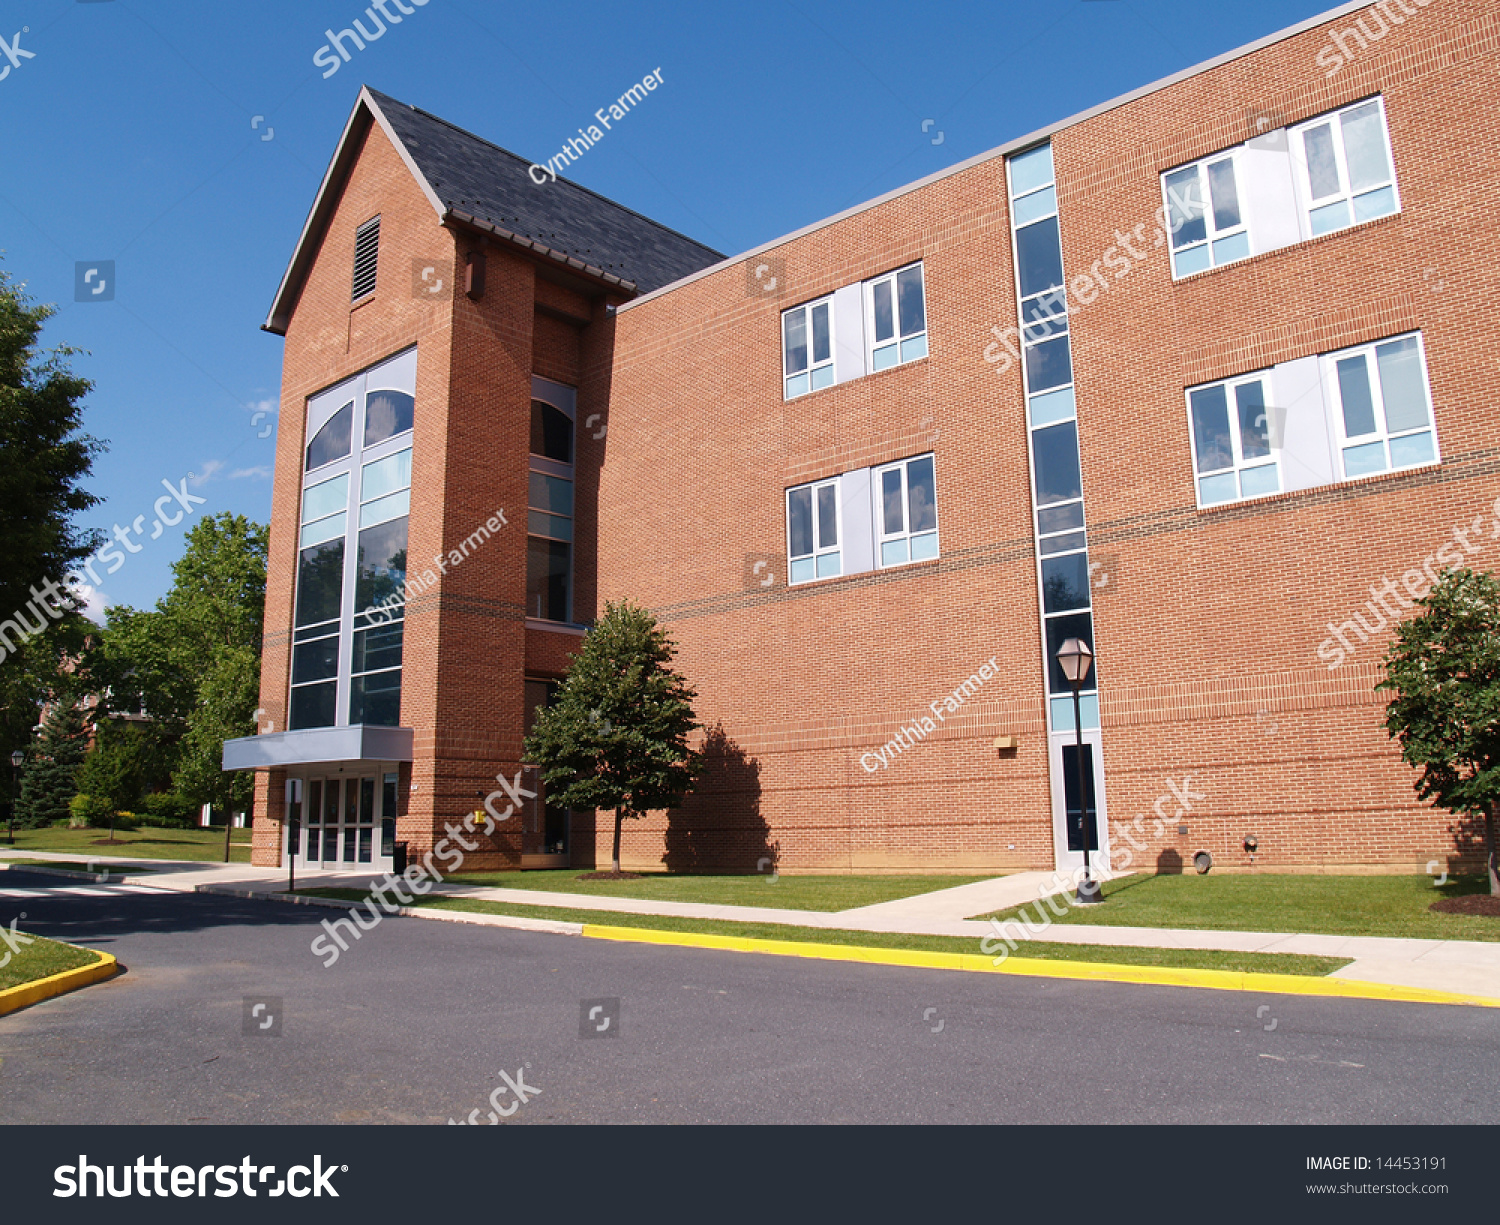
(341, 816)
(1078, 817)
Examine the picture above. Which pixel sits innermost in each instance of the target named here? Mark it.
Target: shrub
(87, 811)
(167, 810)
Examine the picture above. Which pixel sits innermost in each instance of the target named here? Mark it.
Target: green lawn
(1334, 905)
(40, 960)
(199, 844)
(826, 893)
(1264, 963)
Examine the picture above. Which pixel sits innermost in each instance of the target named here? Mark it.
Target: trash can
(398, 858)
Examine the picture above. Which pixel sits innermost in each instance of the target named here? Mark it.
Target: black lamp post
(16, 760)
(294, 830)
(1075, 658)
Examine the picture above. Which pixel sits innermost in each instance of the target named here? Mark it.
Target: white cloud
(93, 602)
(209, 468)
(263, 472)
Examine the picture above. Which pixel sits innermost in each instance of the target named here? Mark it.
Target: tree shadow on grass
(719, 828)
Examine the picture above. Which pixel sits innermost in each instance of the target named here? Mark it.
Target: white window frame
(1213, 237)
(882, 538)
(1306, 203)
(900, 341)
(1240, 465)
(1382, 433)
(820, 550)
(817, 374)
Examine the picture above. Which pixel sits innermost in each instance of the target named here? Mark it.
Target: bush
(167, 810)
(94, 812)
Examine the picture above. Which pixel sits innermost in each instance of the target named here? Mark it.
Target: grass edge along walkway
(1203, 959)
(1393, 907)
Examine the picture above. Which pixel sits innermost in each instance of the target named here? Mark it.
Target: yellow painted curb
(1092, 971)
(13, 998)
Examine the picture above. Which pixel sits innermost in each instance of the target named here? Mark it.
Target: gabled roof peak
(475, 182)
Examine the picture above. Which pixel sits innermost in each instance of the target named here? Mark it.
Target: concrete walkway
(1442, 965)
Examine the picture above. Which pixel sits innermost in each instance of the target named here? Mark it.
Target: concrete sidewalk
(1471, 967)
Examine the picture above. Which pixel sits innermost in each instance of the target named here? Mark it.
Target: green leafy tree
(1444, 669)
(617, 735)
(226, 706)
(192, 663)
(46, 456)
(125, 762)
(42, 670)
(49, 777)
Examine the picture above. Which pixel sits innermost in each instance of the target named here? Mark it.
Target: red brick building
(1202, 377)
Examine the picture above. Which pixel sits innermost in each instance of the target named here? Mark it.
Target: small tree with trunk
(617, 735)
(1444, 669)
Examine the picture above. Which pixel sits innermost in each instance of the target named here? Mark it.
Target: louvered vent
(366, 255)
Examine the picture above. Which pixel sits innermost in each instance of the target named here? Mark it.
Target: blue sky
(185, 141)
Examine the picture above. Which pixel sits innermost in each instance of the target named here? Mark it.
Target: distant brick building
(1203, 376)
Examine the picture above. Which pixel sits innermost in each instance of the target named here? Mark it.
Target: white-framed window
(1344, 168)
(896, 317)
(1205, 215)
(1382, 406)
(351, 562)
(1234, 442)
(906, 519)
(814, 527)
(807, 347)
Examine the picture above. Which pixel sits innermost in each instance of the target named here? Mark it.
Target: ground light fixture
(16, 760)
(1075, 657)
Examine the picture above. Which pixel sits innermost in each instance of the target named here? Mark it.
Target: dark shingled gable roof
(472, 176)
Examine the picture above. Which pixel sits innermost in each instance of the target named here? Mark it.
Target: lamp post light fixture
(1075, 658)
(17, 758)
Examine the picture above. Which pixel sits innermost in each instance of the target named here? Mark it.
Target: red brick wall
(466, 649)
(1207, 638)
(1207, 634)
(328, 340)
(1210, 637)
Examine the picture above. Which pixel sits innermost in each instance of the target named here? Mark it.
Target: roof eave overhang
(530, 245)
